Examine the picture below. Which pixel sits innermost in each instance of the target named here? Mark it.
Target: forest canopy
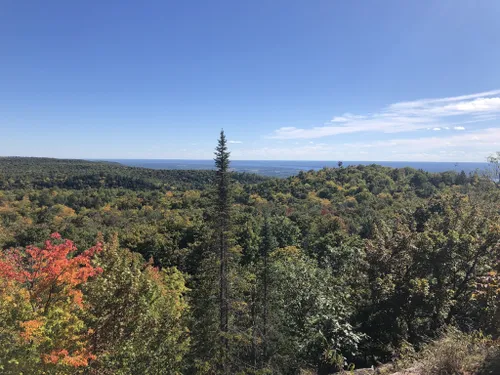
(107, 269)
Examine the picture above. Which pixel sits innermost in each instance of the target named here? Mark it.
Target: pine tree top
(222, 154)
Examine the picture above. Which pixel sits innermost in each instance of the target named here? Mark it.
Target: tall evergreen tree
(222, 221)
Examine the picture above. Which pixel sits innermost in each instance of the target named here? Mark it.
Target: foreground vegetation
(211, 272)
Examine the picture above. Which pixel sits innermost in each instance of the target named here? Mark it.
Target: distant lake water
(285, 168)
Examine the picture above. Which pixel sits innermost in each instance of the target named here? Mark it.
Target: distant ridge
(286, 168)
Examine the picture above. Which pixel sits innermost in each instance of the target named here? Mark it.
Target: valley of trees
(107, 269)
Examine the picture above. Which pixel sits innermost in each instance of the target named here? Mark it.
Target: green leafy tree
(309, 316)
(268, 245)
(422, 271)
(137, 315)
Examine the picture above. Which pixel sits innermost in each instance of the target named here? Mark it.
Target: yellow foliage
(191, 195)
(384, 196)
(65, 211)
(351, 201)
(283, 198)
(256, 199)
(31, 329)
(287, 252)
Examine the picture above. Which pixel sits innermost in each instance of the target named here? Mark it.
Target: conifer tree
(222, 221)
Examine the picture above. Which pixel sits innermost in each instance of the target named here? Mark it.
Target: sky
(287, 80)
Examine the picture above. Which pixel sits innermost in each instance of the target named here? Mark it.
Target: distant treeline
(26, 172)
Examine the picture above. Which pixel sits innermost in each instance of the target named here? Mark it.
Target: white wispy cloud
(424, 102)
(235, 142)
(484, 139)
(408, 116)
(448, 146)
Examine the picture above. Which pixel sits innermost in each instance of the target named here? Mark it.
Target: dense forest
(107, 269)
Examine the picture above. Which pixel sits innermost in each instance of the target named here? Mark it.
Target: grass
(455, 353)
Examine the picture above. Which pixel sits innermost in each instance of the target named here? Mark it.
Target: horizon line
(270, 160)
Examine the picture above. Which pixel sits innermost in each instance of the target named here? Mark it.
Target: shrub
(456, 353)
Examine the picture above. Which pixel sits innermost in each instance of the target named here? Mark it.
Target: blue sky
(312, 80)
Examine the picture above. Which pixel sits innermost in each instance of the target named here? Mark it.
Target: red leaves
(79, 359)
(30, 328)
(50, 276)
(55, 236)
(48, 269)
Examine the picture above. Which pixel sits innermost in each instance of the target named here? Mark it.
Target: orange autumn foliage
(50, 277)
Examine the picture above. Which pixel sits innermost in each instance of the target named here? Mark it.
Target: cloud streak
(448, 146)
(479, 140)
(440, 113)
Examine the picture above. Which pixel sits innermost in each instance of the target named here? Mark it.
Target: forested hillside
(107, 269)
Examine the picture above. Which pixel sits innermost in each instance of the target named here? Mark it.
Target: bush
(456, 353)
